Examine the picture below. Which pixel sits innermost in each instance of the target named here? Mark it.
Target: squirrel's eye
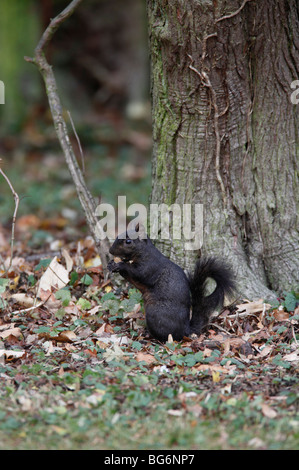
(128, 241)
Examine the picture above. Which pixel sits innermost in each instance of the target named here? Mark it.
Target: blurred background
(101, 64)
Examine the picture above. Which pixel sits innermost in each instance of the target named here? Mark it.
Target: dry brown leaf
(216, 376)
(16, 332)
(281, 315)
(212, 368)
(253, 307)
(26, 222)
(23, 299)
(10, 354)
(102, 345)
(55, 276)
(114, 352)
(49, 299)
(68, 260)
(67, 336)
(170, 339)
(292, 357)
(268, 411)
(100, 331)
(14, 282)
(25, 402)
(148, 358)
(265, 351)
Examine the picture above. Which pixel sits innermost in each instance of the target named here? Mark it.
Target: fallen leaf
(268, 411)
(253, 307)
(113, 353)
(265, 351)
(14, 282)
(50, 348)
(148, 358)
(100, 331)
(23, 299)
(175, 412)
(256, 442)
(55, 276)
(67, 336)
(25, 402)
(10, 354)
(281, 315)
(170, 339)
(226, 390)
(292, 357)
(94, 310)
(212, 368)
(26, 222)
(93, 262)
(216, 376)
(68, 260)
(91, 352)
(16, 332)
(59, 430)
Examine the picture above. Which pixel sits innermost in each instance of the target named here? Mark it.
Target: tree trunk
(225, 131)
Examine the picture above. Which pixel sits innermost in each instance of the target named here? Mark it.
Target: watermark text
(2, 92)
(295, 94)
(162, 221)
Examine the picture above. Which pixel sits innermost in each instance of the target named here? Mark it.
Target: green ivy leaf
(290, 301)
(44, 263)
(87, 280)
(84, 303)
(64, 295)
(73, 277)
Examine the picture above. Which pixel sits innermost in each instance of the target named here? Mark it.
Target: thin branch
(226, 17)
(55, 23)
(78, 141)
(87, 202)
(29, 309)
(17, 200)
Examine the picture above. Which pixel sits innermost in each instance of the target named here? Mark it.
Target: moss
(165, 128)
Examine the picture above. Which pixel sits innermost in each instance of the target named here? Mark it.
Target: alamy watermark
(2, 92)
(161, 221)
(295, 94)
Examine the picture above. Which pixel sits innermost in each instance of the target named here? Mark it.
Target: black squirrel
(168, 292)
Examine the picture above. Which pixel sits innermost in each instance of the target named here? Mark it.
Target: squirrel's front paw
(113, 266)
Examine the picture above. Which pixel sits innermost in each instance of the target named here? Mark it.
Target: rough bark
(226, 133)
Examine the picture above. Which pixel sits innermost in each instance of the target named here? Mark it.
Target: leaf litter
(60, 311)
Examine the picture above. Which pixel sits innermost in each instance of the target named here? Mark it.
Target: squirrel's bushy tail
(204, 305)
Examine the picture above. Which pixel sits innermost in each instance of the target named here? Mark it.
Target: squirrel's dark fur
(167, 292)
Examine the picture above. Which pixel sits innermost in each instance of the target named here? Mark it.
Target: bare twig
(17, 200)
(29, 309)
(78, 142)
(86, 200)
(231, 15)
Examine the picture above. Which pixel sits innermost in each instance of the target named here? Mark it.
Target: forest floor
(79, 371)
